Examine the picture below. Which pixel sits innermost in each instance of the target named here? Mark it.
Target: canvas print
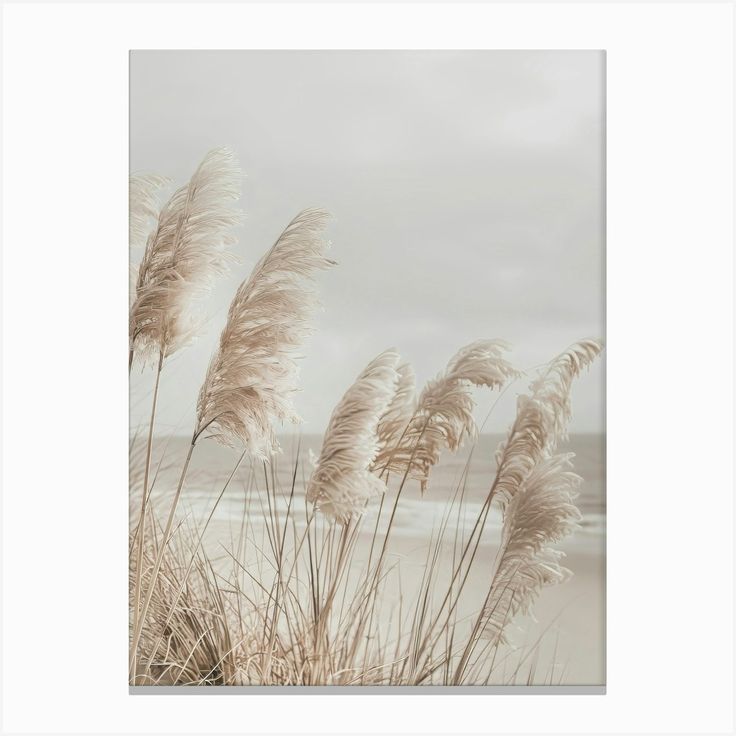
(366, 360)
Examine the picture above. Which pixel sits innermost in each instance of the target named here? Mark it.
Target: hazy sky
(467, 191)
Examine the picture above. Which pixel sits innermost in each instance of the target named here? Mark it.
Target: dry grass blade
(183, 254)
(252, 375)
(342, 482)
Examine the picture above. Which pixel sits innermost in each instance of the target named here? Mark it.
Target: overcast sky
(467, 191)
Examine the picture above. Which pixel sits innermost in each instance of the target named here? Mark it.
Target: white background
(669, 363)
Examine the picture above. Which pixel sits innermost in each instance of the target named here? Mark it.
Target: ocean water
(467, 474)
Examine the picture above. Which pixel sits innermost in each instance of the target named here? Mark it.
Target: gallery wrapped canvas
(367, 439)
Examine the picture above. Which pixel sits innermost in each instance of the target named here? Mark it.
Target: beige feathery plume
(541, 418)
(443, 417)
(342, 482)
(253, 373)
(143, 206)
(397, 416)
(552, 387)
(539, 515)
(183, 255)
(536, 490)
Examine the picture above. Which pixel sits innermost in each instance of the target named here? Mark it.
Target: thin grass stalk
(479, 526)
(472, 639)
(144, 495)
(426, 587)
(336, 570)
(398, 496)
(385, 469)
(459, 370)
(479, 522)
(282, 588)
(134, 536)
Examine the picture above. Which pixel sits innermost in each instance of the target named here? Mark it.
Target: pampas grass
(283, 600)
(342, 483)
(253, 372)
(541, 418)
(395, 420)
(536, 493)
(252, 376)
(299, 605)
(443, 417)
(539, 515)
(184, 253)
(143, 206)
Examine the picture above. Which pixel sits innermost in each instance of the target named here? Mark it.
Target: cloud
(467, 190)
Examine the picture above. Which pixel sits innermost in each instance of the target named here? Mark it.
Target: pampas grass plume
(536, 490)
(252, 376)
(541, 418)
(342, 483)
(183, 255)
(443, 417)
(539, 515)
(143, 205)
